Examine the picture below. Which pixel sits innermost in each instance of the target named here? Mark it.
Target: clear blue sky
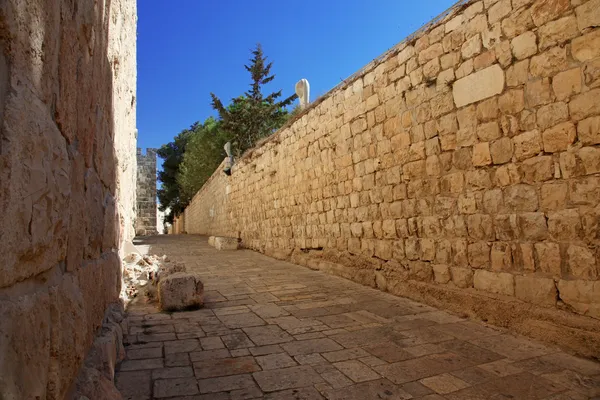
(189, 48)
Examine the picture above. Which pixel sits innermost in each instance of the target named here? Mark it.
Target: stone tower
(146, 193)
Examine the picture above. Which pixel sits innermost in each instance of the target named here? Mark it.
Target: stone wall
(145, 223)
(462, 168)
(67, 182)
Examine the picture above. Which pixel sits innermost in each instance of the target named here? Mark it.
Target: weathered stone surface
(478, 86)
(180, 291)
(226, 243)
(585, 47)
(495, 282)
(536, 290)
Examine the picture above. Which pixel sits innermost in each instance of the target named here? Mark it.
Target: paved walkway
(274, 330)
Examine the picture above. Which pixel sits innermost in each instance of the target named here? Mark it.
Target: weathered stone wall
(67, 182)
(145, 223)
(461, 169)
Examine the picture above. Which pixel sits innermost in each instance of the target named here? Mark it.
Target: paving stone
(266, 335)
(225, 366)
(182, 346)
(286, 378)
(310, 359)
(515, 348)
(209, 355)
(379, 389)
(268, 310)
(310, 346)
(264, 350)
(236, 340)
(225, 383)
(418, 368)
(234, 321)
(346, 354)
(152, 352)
(307, 393)
(444, 383)
(211, 343)
(173, 372)
(356, 371)
(389, 352)
(275, 361)
(401, 340)
(175, 387)
(177, 360)
(134, 365)
(134, 385)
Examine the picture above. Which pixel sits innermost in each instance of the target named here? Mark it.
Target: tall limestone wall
(147, 212)
(462, 169)
(67, 182)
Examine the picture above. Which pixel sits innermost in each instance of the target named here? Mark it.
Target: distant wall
(145, 223)
(67, 182)
(462, 168)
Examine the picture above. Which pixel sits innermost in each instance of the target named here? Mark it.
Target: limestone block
(180, 291)
(551, 114)
(548, 258)
(521, 197)
(588, 14)
(226, 243)
(543, 11)
(567, 83)
(585, 104)
(549, 63)
(462, 277)
(582, 262)
(494, 282)
(588, 131)
(582, 295)
(527, 145)
(559, 137)
(537, 169)
(524, 45)
(481, 154)
(536, 290)
(478, 86)
(498, 11)
(501, 150)
(557, 32)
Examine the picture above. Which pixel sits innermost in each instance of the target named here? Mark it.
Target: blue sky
(189, 48)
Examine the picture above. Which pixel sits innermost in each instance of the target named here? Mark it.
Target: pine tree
(253, 116)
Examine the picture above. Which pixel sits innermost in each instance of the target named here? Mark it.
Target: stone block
(548, 258)
(582, 263)
(533, 226)
(564, 224)
(180, 291)
(501, 150)
(567, 83)
(494, 282)
(521, 197)
(481, 154)
(549, 63)
(478, 86)
(536, 290)
(537, 169)
(226, 243)
(462, 277)
(585, 104)
(527, 144)
(581, 295)
(557, 32)
(543, 11)
(551, 114)
(588, 131)
(559, 137)
(588, 14)
(586, 47)
(524, 45)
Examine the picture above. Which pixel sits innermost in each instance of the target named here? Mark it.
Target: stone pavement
(274, 330)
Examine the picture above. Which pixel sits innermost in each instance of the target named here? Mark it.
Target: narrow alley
(274, 330)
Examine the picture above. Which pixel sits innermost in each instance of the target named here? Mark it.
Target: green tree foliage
(253, 116)
(169, 195)
(204, 153)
